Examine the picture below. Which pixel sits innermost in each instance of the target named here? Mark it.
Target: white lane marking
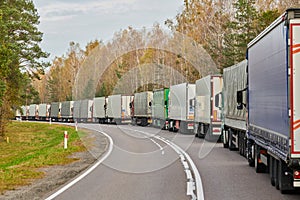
(185, 165)
(160, 147)
(180, 151)
(199, 186)
(182, 158)
(150, 138)
(189, 175)
(190, 188)
(87, 171)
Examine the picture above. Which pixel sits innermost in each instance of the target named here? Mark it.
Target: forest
(215, 31)
(222, 28)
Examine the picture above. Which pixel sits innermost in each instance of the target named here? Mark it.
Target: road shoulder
(56, 176)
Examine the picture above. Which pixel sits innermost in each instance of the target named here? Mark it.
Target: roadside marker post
(65, 139)
(76, 126)
(50, 121)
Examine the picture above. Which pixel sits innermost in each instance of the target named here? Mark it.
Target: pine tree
(240, 32)
(20, 53)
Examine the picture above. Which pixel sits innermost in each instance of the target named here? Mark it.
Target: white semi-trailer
(67, 111)
(99, 109)
(118, 109)
(44, 111)
(141, 111)
(24, 113)
(55, 111)
(181, 108)
(33, 112)
(83, 110)
(208, 107)
(234, 120)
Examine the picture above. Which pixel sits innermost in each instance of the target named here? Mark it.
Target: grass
(32, 146)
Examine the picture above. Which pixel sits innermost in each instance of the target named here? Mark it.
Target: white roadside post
(76, 126)
(50, 121)
(66, 140)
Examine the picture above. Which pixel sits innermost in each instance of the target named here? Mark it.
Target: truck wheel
(201, 130)
(272, 170)
(285, 178)
(259, 167)
(230, 143)
(225, 138)
(240, 142)
(196, 130)
(171, 126)
(250, 153)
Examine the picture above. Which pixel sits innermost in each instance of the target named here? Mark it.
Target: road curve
(139, 167)
(143, 165)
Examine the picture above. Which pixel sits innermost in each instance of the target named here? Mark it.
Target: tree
(62, 75)
(20, 53)
(241, 32)
(224, 28)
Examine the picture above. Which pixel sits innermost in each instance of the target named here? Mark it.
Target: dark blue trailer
(273, 101)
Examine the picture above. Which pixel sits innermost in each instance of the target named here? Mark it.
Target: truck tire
(284, 181)
(224, 137)
(272, 170)
(259, 167)
(170, 125)
(196, 129)
(230, 143)
(277, 174)
(200, 131)
(242, 144)
(250, 153)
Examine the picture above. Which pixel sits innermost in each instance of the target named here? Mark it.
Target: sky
(82, 21)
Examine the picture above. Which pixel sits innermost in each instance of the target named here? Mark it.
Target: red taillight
(297, 174)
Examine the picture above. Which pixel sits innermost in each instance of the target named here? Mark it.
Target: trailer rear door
(295, 87)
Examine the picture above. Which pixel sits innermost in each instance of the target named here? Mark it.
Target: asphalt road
(142, 166)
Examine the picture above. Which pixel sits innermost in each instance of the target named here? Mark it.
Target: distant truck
(181, 108)
(86, 110)
(234, 120)
(83, 110)
(76, 110)
(160, 108)
(273, 101)
(33, 112)
(208, 107)
(44, 111)
(55, 111)
(67, 111)
(99, 109)
(118, 109)
(18, 114)
(141, 113)
(24, 114)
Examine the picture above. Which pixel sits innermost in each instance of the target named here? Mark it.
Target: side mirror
(150, 104)
(130, 105)
(239, 100)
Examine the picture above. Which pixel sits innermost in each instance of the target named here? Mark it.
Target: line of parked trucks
(254, 105)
